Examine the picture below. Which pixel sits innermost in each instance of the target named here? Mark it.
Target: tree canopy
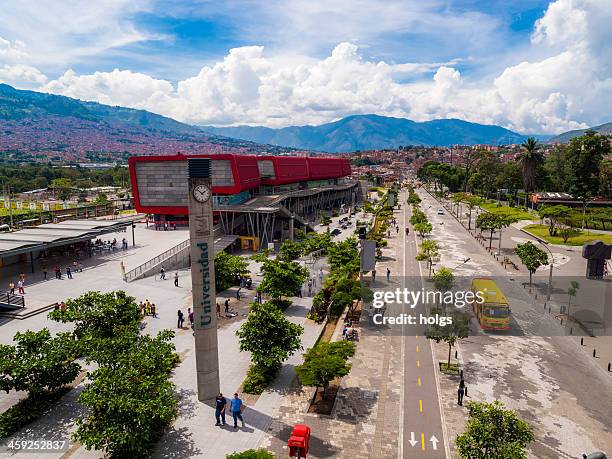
(282, 278)
(531, 256)
(493, 431)
(325, 362)
(268, 335)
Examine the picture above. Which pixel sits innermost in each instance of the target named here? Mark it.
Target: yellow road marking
(417, 348)
(418, 364)
(421, 406)
(422, 441)
(419, 381)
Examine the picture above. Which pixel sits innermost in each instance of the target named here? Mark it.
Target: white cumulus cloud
(568, 85)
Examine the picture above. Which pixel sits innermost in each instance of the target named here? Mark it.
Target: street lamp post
(550, 274)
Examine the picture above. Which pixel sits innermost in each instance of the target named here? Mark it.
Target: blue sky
(197, 33)
(281, 62)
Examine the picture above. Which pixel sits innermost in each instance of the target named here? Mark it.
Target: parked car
(335, 232)
(440, 212)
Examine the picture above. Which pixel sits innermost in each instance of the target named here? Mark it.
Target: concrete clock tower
(203, 277)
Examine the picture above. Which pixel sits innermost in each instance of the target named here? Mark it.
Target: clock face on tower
(201, 193)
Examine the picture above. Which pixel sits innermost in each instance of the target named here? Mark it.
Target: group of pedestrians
(148, 309)
(181, 319)
(162, 276)
(235, 407)
(77, 266)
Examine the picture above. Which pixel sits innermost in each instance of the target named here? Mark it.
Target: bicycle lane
(423, 430)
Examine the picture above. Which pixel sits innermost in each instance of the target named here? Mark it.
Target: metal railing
(12, 300)
(147, 265)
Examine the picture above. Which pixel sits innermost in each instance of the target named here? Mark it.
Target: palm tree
(529, 159)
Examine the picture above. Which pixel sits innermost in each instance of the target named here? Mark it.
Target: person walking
(218, 310)
(162, 273)
(460, 392)
(12, 287)
(220, 406)
(388, 274)
(309, 287)
(68, 272)
(44, 271)
(153, 310)
(141, 305)
(227, 305)
(236, 407)
(190, 317)
(58, 272)
(181, 319)
(238, 293)
(20, 287)
(176, 279)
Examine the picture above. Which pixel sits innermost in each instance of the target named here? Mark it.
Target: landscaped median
(580, 237)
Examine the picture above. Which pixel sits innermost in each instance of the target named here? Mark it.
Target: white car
(440, 212)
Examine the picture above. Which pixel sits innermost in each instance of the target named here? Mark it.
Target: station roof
(57, 234)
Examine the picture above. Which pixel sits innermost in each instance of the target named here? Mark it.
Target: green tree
(325, 362)
(428, 251)
(343, 257)
(555, 215)
(491, 222)
(471, 202)
(98, 315)
(443, 279)
(531, 256)
(131, 402)
(38, 362)
(530, 159)
(571, 292)
(493, 431)
(413, 198)
(584, 155)
(269, 336)
(558, 169)
(423, 228)
(282, 278)
(450, 333)
(509, 177)
(102, 198)
(325, 219)
(418, 216)
(261, 256)
(291, 250)
(227, 269)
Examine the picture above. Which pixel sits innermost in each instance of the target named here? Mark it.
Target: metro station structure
(259, 199)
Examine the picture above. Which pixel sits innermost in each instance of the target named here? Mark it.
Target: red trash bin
(298, 441)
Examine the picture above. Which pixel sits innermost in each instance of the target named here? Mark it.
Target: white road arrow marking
(434, 442)
(412, 441)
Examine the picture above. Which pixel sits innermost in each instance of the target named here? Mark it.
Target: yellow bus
(493, 313)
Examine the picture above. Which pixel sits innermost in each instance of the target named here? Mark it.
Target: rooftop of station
(52, 235)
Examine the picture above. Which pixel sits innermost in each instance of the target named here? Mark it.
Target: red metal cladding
(239, 172)
(287, 169)
(321, 168)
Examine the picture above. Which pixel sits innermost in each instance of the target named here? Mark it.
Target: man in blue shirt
(236, 408)
(220, 404)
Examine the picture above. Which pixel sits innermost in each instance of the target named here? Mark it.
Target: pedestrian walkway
(365, 421)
